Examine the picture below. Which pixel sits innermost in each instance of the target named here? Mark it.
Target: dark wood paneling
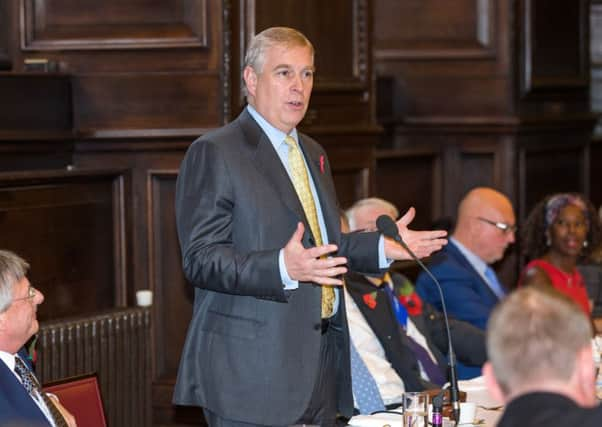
(151, 101)
(35, 101)
(410, 178)
(554, 40)
(113, 24)
(596, 61)
(431, 31)
(71, 228)
(595, 176)
(166, 277)
(550, 168)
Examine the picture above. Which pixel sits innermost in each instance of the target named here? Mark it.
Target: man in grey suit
(259, 231)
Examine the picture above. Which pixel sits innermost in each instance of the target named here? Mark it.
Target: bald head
(478, 212)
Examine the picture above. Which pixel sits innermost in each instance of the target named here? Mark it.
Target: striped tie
(301, 183)
(32, 386)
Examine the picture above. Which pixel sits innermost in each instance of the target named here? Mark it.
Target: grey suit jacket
(252, 348)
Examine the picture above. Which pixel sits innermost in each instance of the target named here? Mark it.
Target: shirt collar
(473, 259)
(276, 136)
(8, 359)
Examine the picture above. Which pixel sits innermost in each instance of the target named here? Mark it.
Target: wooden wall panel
(432, 31)
(433, 53)
(71, 227)
(152, 101)
(112, 24)
(554, 46)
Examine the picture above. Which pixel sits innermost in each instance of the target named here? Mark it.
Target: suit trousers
(322, 408)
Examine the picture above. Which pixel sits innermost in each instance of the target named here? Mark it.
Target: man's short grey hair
(12, 269)
(535, 335)
(260, 43)
(369, 202)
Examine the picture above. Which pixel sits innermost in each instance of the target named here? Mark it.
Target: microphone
(388, 228)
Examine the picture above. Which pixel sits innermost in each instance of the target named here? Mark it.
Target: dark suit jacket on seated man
(259, 231)
(374, 304)
(18, 305)
(541, 363)
(485, 227)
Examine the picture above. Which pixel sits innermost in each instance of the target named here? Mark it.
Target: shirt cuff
(383, 261)
(287, 282)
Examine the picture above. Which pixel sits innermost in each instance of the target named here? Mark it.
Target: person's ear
(493, 387)
(585, 376)
(250, 78)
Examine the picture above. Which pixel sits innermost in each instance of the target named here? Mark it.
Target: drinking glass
(415, 409)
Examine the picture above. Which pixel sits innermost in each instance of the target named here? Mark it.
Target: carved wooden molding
(42, 30)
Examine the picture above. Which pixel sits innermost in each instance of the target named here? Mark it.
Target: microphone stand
(388, 228)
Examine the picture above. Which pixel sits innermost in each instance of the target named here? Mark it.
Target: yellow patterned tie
(301, 184)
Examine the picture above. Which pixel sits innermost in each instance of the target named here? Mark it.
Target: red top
(569, 284)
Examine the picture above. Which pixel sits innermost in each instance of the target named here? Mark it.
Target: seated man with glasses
(485, 226)
(22, 402)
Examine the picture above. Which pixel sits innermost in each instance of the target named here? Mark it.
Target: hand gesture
(422, 243)
(312, 265)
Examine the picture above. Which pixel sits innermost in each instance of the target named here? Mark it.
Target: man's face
(280, 92)
(19, 322)
(365, 218)
(493, 241)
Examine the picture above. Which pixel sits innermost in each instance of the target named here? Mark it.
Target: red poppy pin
(409, 298)
(370, 300)
(322, 163)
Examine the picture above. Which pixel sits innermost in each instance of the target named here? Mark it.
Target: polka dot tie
(301, 183)
(32, 386)
(365, 390)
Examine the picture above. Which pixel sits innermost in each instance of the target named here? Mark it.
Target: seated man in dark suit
(401, 340)
(485, 227)
(22, 403)
(541, 363)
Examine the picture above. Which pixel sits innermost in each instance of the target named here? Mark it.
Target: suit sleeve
(205, 199)
(468, 340)
(458, 291)
(361, 250)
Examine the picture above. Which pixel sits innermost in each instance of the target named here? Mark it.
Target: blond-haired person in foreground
(541, 363)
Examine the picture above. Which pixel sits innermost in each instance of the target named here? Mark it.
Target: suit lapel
(461, 259)
(20, 400)
(267, 162)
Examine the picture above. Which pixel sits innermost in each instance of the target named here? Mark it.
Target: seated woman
(560, 230)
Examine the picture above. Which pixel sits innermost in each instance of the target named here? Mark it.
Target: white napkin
(377, 420)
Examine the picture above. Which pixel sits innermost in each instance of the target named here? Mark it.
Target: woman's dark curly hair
(534, 232)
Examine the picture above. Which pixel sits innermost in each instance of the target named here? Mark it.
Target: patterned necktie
(494, 283)
(365, 390)
(31, 384)
(432, 369)
(301, 183)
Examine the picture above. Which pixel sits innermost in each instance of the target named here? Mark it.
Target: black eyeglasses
(31, 294)
(506, 228)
